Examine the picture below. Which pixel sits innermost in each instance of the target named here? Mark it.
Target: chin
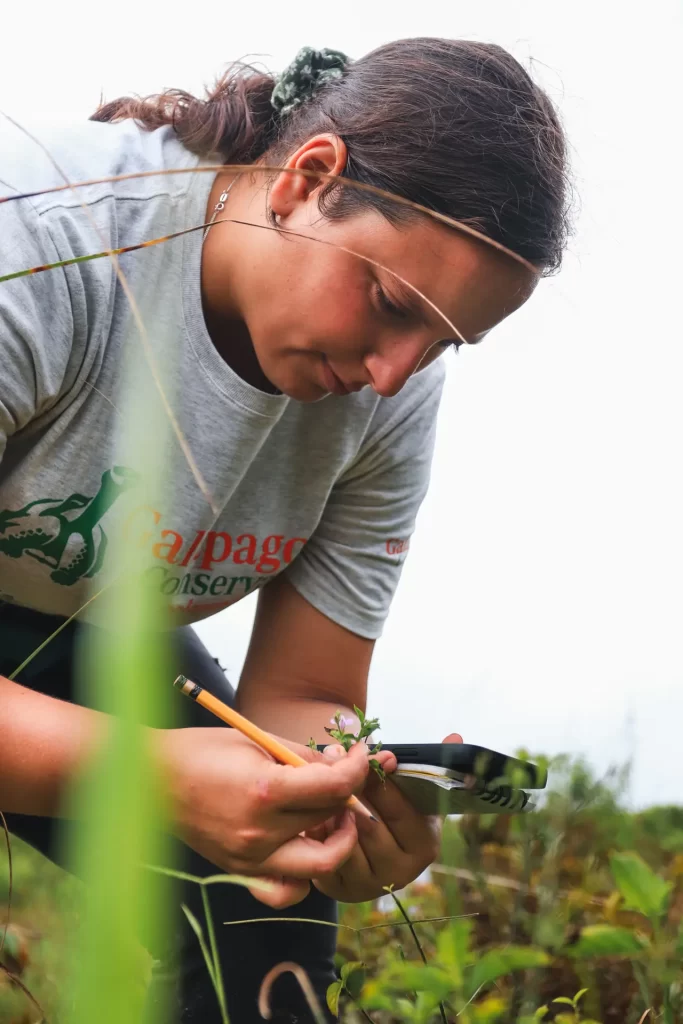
(305, 393)
(295, 379)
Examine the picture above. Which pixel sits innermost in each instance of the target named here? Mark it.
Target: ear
(326, 154)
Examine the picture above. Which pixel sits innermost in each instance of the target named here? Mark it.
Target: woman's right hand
(244, 812)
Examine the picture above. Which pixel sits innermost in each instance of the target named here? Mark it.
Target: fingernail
(334, 752)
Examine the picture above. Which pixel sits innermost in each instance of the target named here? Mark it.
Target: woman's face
(323, 321)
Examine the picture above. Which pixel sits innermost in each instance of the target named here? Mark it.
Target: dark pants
(247, 951)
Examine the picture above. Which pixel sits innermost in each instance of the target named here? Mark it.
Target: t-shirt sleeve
(36, 323)
(350, 567)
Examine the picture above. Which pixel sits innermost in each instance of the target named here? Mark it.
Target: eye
(390, 307)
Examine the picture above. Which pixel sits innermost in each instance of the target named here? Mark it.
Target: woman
(301, 337)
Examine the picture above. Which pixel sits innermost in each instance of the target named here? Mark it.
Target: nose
(390, 365)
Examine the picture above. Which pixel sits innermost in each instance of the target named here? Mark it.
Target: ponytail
(235, 122)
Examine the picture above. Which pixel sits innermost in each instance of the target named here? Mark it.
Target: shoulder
(38, 156)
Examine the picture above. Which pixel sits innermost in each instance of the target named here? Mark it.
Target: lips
(332, 382)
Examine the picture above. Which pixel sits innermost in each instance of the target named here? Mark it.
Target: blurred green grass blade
(120, 803)
(197, 929)
(125, 670)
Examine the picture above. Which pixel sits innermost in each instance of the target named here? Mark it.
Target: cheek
(341, 312)
(320, 302)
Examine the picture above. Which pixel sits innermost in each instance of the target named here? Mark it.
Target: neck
(226, 327)
(233, 343)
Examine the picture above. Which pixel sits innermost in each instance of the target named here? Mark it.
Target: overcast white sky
(541, 604)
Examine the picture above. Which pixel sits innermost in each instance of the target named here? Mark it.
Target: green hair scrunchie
(309, 71)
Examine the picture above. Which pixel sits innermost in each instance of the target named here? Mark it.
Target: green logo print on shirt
(65, 534)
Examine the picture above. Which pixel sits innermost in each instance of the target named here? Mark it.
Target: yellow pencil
(264, 740)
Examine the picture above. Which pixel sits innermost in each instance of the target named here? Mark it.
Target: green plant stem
(197, 929)
(643, 983)
(27, 992)
(10, 880)
(406, 917)
(218, 974)
(360, 1009)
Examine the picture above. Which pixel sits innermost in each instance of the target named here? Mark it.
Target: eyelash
(390, 307)
(397, 311)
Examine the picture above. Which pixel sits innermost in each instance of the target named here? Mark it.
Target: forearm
(44, 743)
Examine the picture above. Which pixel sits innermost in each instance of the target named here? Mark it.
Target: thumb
(334, 752)
(453, 737)
(285, 892)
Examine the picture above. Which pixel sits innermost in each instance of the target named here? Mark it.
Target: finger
(286, 892)
(453, 737)
(410, 830)
(387, 761)
(319, 833)
(353, 871)
(333, 752)
(323, 784)
(302, 857)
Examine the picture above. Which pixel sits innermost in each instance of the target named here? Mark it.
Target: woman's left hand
(392, 851)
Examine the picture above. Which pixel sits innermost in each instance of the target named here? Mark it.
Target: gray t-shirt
(326, 493)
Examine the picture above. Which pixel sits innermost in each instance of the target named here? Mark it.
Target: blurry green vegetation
(579, 895)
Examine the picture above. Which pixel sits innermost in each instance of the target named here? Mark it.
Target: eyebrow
(417, 306)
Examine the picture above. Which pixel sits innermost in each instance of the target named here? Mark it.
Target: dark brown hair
(457, 126)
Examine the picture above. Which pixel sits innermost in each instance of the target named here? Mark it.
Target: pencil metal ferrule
(187, 687)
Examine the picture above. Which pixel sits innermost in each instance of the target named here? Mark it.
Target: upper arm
(316, 624)
(36, 324)
(299, 652)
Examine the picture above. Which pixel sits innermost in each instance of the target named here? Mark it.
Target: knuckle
(261, 794)
(248, 842)
(341, 789)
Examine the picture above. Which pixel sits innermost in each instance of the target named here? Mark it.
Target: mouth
(332, 382)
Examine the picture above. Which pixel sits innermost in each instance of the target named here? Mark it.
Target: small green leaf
(606, 940)
(353, 977)
(490, 1010)
(417, 977)
(11, 946)
(496, 963)
(565, 1000)
(579, 995)
(349, 967)
(642, 889)
(332, 996)
(453, 946)
(538, 1015)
